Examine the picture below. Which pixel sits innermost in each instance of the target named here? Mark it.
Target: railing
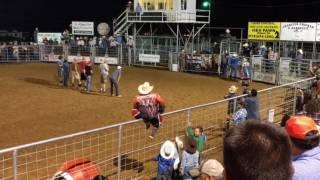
(9, 54)
(120, 22)
(199, 16)
(123, 151)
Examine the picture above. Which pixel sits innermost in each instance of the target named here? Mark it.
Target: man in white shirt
(104, 71)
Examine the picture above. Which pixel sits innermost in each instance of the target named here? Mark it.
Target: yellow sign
(264, 31)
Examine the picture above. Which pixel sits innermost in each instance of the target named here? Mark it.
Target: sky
(56, 15)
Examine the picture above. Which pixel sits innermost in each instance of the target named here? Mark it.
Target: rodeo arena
(162, 94)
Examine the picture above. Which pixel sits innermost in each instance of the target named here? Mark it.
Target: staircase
(121, 24)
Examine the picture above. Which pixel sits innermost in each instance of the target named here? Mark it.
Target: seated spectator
(305, 138)
(167, 160)
(252, 105)
(211, 170)
(240, 115)
(189, 167)
(198, 135)
(257, 150)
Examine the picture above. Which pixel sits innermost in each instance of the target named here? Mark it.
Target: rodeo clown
(148, 106)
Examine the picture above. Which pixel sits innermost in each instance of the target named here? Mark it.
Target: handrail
(139, 120)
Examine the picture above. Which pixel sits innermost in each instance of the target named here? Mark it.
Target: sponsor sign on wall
(296, 31)
(150, 58)
(264, 30)
(264, 77)
(318, 32)
(110, 60)
(82, 28)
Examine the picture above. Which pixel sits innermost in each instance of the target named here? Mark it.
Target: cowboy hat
(191, 146)
(119, 67)
(145, 88)
(245, 45)
(300, 51)
(233, 89)
(167, 150)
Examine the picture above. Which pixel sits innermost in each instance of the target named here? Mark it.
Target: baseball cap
(299, 126)
(212, 168)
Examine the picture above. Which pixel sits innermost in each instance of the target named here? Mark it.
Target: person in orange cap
(304, 134)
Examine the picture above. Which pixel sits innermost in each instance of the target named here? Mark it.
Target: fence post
(119, 151)
(188, 118)
(15, 168)
(294, 99)
(269, 101)
(129, 56)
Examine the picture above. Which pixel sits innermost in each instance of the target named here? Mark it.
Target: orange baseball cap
(298, 126)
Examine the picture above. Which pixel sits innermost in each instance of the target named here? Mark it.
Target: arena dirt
(34, 107)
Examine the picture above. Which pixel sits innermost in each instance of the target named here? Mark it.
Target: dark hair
(257, 150)
(309, 143)
(254, 92)
(284, 120)
(200, 128)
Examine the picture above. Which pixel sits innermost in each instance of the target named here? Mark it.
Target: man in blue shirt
(305, 137)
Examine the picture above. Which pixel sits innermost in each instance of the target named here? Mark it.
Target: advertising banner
(82, 28)
(296, 31)
(264, 31)
(149, 58)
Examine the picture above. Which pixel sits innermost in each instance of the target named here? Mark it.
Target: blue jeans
(65, 78)
(89, 83)
(233, 73)
(167, 175)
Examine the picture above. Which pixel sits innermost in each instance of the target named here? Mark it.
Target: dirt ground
(33, 107)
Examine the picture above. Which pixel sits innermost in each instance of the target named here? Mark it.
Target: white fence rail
(124, 151)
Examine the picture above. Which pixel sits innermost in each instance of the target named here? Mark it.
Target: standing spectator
(240, 115)
(198, 135)
(257, 150)
(75, 73)
(299, 102)
(245, 74)
(83, 63)
(138, 11)
(252, 105)
(246, 50)
(88, 74)
(60, 69)
(189, 167)
(211, 170)
(166, 160)
(231, 103)
(114, 82)
(234, 63)
(104, 75)
(297, 62)
(305, 138)
(149, 107)
(65, 68)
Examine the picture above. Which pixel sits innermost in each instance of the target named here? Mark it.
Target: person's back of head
(257, 150)
(254, 93)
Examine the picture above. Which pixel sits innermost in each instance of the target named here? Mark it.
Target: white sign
(78, 58)
(295, 31)
(284, 68)
(110, 60)
(83, 28)
(257, 63)
(49, 36)
(264, 77)
(151, 58)
(318, 32)
(271, 115)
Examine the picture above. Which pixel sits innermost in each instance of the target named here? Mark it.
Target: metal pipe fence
(124, 151)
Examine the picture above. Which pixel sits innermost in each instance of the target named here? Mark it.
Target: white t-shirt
(104, 69)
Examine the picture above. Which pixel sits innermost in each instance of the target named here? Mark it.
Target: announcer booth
(161, 29)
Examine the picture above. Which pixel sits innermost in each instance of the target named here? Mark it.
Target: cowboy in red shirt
(148, 106)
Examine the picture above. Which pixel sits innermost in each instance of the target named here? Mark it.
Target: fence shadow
(40, 82)
(129, 164)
